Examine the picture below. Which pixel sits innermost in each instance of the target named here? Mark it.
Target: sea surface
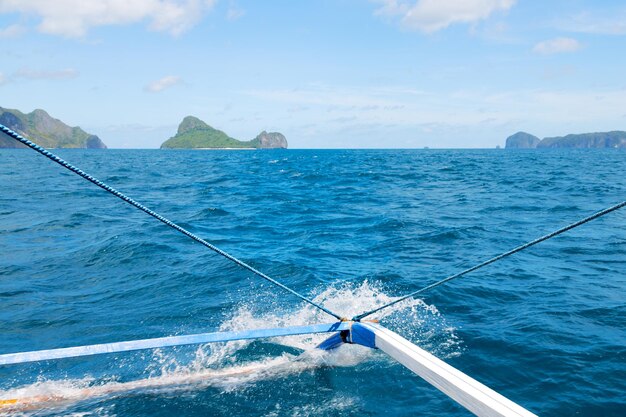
(351, 229)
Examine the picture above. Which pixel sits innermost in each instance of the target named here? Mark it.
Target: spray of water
(220, 365)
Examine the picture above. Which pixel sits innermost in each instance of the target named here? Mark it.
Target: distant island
(523, 140)
(45, 131)
(193, 133)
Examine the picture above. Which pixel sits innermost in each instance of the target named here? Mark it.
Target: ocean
(349, 228)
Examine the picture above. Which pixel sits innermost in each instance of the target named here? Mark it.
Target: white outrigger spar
(465, 390)
(471, 394)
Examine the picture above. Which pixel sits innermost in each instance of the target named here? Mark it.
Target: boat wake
(224, 365)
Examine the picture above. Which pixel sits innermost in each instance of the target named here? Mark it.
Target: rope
(157, 216)
(494, 259)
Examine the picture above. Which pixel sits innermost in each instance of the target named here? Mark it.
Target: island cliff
(522, 140)
(45, 131)
(270, 140)
(193, 133)
(614, 139)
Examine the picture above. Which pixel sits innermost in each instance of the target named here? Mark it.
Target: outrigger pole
(169, 341)
(466, 391)
(463, 389)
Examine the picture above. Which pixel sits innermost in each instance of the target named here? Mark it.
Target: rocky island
(39, 127)
(523, 140)
(193, 133)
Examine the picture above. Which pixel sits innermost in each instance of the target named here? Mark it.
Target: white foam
(218, 365)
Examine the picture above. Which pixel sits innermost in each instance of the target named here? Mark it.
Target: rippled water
(546, 328)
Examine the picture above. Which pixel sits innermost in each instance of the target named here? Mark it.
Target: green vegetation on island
(45, 131)
(614, 139)
(193, 133)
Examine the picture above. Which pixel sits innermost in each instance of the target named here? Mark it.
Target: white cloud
(557, 46)
(234, 12)
(430, 16)
(392, 7)
(12, 31)
(31, 74)
(608, 24)
(325, 96)
(74, 18)
(163, 83)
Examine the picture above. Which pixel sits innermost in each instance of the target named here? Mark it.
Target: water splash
(224, 365)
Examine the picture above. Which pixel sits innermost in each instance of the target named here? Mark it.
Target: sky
(326, 73)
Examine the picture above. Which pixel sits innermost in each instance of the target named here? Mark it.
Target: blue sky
(327, 74)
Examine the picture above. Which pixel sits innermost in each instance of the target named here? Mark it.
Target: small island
(613, 140)
(39, 127)
(193, 133)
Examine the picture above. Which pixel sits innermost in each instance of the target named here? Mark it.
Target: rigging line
(494, 259)
(157, 216)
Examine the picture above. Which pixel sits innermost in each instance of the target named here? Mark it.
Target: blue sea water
(349, 228)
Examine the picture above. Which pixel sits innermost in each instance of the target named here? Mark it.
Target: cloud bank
(339, 111)
(74, 18)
